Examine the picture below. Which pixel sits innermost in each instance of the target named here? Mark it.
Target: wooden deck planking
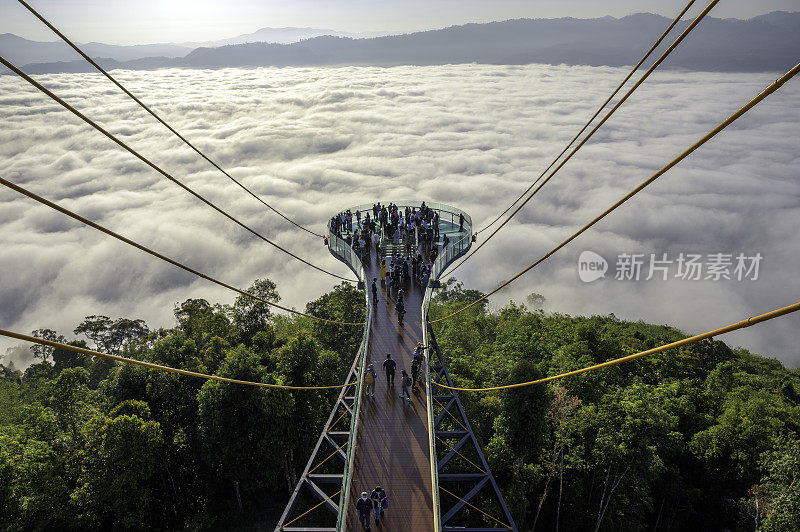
(393, 434)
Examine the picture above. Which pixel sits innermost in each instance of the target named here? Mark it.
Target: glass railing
(447, 213)
(344, 252)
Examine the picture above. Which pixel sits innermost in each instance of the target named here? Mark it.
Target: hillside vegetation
(704, 437)
(86, 444)
(701, 438)
(761, 44)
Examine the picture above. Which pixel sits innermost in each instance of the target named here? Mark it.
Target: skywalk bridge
(383, 440)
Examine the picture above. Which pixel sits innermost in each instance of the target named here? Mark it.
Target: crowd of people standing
(416, 228)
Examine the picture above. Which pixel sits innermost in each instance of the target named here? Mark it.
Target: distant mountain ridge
(282, 36)
(21, 51)
(769, 42)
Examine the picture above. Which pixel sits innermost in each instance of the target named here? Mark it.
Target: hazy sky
(148, 21)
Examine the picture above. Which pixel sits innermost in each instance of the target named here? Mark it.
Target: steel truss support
(462, 471)
(325, 471)
(324, 487)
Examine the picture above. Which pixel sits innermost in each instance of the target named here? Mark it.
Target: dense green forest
(700, 438)
(86, 444)
(704, 437)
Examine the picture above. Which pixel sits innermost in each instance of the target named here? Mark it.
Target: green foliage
(345, 304)
(669, 441)
(703, 437)
(522, 420)
(118, 483)
(45, 351)
(88, 444)
(453, 291)
(112, 336)
(65, 359)
(782, 484)
(250, 315)
(239, 449)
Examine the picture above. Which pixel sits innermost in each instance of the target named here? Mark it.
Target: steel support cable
(159, 367)
(475, 508)
(450, 414)
(158, 169)
(452, 448)
(329, 456)
(686, 341)
(311, 509)
(594, 130)
(156, 254)
(599, 110)
(752, 103)
(154, 115)
(338, 419)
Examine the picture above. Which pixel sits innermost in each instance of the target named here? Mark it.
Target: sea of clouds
(312, 141)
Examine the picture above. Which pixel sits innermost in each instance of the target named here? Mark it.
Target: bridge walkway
(392, 444)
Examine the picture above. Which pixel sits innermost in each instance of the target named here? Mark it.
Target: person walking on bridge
(380, 501)
(364, 506)
(406, 381)
(369, 381)
(419, 350)
(415, 365)
(389, 366)
(376, 242)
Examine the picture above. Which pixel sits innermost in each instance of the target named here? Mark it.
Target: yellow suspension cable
(619, 87)
(312, 508)
(329, 456)
(154, 115)
(686, 341)
(150, 365)
(451, 414)
(475, 507)
(452, 448)
(598, 126)
(109, 232)
(338, 419)
(158, 169)
(752, 103)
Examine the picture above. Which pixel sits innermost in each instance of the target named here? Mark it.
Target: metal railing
(453, 250)
(429, 391)
(341, 250)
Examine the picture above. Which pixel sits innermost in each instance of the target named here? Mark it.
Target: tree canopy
(703, 437)
(89, 444)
